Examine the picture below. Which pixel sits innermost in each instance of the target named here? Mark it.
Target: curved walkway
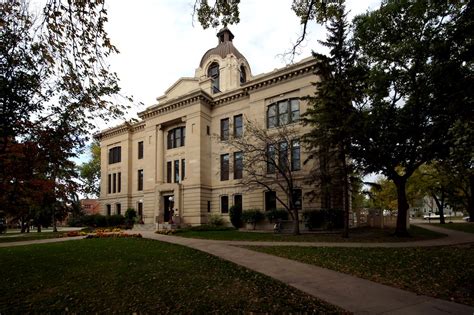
(351, 293)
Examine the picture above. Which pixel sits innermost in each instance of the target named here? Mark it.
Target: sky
(159, 42)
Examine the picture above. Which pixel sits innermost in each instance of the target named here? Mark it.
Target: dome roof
(224, 47)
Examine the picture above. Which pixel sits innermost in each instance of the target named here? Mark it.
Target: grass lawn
(33, 235)
(442, 272)
(355, 235)
(463, 227)
(138, 276)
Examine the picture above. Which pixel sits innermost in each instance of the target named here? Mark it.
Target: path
(351, 293)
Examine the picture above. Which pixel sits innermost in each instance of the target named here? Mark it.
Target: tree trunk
(296, 222)
(401, 229)
(345, 194)
(470, 199)
(440, 205)
(23, 226)
(55, 228)
(38, 228)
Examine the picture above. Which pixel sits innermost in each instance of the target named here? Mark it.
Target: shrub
(324, 218)
(277, 214)
(235, 214)
(252, 216)
(114, 220)
(216, 220)
(130, 216)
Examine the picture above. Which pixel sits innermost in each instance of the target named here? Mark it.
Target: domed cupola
(224, 64)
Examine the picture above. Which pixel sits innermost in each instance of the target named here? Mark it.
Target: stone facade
(142, 163)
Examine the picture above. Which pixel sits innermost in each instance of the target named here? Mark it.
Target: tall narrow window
(224, 204)
(168, 171)
(283, 156)
(271, 161)
(295, 110)
(118, 209)
(295, 155)
(171, 139)
(224, 166)
(283, 118)
(114, 183)
(297, 199)
(115, 155)
(243, 75)
(140, 211)
(225, 129)
(238, 165)
(109, 209)
(238, 201)
(140, 150)
(109, 184)
(176, 171)
(208, 206)
(183, 169)
(140, 180)
(238, 126)
(177, 135)
(272, 116)
(213, 73)
(119, 182)
(270, 200)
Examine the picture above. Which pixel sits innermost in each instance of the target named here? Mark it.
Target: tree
(265, 161)
(90, 172)
(330, 113)
(54, 81)
(407, 117)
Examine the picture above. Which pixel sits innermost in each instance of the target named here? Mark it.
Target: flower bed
(113, 235)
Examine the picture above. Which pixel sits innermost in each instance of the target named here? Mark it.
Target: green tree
(55, 80)
(408, 115)
(90, 172)
(331, 114)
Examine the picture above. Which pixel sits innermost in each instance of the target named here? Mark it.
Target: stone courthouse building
(172, 159)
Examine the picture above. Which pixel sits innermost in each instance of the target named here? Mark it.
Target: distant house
(90, 206)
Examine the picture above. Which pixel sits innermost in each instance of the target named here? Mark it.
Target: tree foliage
(408, 111)
(54, 82)
(90, 172)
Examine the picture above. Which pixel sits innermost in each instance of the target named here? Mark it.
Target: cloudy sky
(158, 42)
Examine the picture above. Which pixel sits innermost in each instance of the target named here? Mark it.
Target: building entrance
(168, 206)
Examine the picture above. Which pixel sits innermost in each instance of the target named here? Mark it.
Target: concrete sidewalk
(351, 293)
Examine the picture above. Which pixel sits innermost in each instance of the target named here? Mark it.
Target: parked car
(466, 219)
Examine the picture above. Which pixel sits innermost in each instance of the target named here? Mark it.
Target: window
(168, 172)
(213, 73)
(283, 112)
(270, 200)
(238, 165)
(297, 198)
(238, 201)
(225, 129)
(295, 155)
(119, 182)
(140, 179)
(115, 155)
(140, 210)
(109, 184)
(243, 75)
(224, 166)
(208, 206)
(224, 204)
(238, 126)
(140, 150)
(283, 156)
(114, 183)
(208, 130)
(183, 169)
(176, 137)
(109, 210)
(176, 171)
(118, 209)
(271, 159)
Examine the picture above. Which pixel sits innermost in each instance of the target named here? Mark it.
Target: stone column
(159, 154)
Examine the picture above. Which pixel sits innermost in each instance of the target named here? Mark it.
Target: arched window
(213, 73)
(243, 74)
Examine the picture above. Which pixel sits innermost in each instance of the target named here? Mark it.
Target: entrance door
(168, 204)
